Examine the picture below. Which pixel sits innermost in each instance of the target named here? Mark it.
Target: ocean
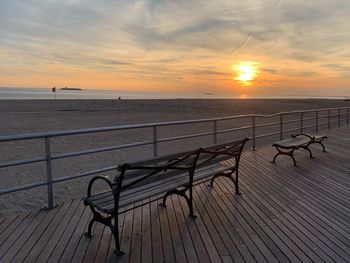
(41, 93)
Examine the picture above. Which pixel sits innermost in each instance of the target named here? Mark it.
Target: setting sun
(246, 72)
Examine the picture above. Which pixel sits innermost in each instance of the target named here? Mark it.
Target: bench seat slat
(300, 140)
(105, 201)
(106, 194)
(108, 207)
(180, 181)
(293, 142)
(318, 137)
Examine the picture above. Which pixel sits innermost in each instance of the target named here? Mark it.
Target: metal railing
(332, 115)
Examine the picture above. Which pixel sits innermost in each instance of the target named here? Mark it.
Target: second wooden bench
(302, 140)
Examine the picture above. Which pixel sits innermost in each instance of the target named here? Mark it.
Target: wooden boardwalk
(286, 214)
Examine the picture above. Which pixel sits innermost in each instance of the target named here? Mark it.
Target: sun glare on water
(246, 72)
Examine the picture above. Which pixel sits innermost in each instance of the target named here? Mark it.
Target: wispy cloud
(188, 41)
(279, 4)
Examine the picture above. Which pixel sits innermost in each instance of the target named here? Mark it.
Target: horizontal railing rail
(302, 119)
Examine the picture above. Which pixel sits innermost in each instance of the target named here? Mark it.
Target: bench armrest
(93, 180)
(303, 134)
(285, 147)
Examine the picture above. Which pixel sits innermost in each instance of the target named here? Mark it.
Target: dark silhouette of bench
(298, 141)
(157, 178)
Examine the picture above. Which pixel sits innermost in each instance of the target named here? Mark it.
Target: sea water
(41, 93)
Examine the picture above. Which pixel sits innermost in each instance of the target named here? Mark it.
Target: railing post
(329, 119)
(316, 128)
(155, 142)
(253, 134)
(347, 116)
(301, 122)
(50, 202)
(215, 132)
(338, 117)
(281, 126)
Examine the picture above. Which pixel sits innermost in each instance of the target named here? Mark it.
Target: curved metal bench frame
(289, 150)
(180, 164)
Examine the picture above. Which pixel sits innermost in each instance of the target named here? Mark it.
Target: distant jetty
(66, 88)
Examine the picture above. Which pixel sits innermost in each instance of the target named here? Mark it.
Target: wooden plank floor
(286, 214)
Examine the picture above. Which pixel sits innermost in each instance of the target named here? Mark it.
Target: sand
(18, 117)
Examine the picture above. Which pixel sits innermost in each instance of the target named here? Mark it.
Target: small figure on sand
(54, 91)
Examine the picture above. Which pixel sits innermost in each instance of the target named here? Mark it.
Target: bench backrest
(145, 172)
(222, 152)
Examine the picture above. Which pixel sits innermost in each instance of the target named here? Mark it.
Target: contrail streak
(225, 13)
(243, 44)
(279, 4)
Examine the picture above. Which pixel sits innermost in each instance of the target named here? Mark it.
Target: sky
(222, 47)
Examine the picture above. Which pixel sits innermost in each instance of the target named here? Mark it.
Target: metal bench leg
(189, 201)
(320, 142)
(183, 194)
(308, 149)
(213, 178)
(96, 217)
(166, 196)
(294, 162)
(274, 158)
(107, 221)
(228, 175)
(323, 148)
(115, 231)
(88, 233)
(237, 192)
(290, 154)
(235, 181)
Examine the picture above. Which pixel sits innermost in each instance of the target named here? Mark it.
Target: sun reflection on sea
(243, 96)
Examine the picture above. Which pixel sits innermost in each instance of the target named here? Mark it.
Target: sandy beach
(18, 117)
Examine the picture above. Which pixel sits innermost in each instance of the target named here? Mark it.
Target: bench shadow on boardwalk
(286, 214)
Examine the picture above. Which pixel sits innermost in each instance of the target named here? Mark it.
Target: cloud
(115, 62)
(338, 67)
(279, 4)
(269, 70)
(342, 69)
(296, 73)
(175, 39)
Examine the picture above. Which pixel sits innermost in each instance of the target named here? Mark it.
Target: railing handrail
(48, 158)
(37, 135)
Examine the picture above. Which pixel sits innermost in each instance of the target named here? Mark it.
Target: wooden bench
(157, 178)
(298, 141)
